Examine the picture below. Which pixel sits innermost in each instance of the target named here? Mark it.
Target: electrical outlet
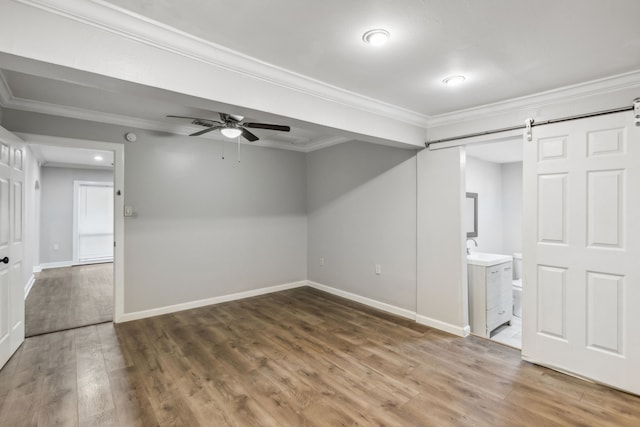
(56, 247)
(321, 262)
(378, 269)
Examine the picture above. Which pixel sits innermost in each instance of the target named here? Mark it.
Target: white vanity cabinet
(490, 295)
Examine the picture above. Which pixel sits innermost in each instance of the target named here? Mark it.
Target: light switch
(378, 269)
(128, 211)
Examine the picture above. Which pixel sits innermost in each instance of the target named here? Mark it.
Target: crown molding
(5, 91)
(124, 23)
(325, 142)
(565, 94)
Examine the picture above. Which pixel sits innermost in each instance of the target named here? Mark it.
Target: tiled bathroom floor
(510, 335)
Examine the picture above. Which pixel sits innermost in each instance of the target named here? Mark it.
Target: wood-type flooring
(294, 358)
(69, 297)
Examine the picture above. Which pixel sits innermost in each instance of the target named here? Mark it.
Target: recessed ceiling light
(454, 80)
(231, 132)
(98, 158)
(377, 37)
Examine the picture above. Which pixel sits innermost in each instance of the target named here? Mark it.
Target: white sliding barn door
(581, 295)
(11, 245)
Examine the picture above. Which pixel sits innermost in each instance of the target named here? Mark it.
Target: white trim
(37, 269)
(323, 143)
(57, 264)
(90, 261)
(5, 90)
(402, 312)
(126, 317)
(443, 326)
(132, 26)
(574, 92)
(118, 185)
(29, 285)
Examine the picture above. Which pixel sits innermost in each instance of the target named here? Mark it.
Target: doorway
(493, 172)
(77, 273)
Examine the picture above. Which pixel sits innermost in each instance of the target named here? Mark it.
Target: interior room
(338, 213)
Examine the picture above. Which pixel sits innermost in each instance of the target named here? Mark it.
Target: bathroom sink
(486, 260)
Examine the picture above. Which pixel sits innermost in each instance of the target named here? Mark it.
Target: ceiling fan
(231, 126)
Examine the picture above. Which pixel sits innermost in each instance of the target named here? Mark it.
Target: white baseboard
(443, 326)
(94, 261)
(126, 317)
(29, 285)
(37, 269)
(59, 264)
(402, 312)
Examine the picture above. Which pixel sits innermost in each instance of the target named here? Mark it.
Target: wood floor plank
(295, 358)
(95, 398)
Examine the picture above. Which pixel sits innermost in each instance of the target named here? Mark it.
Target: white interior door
(93, 222)
(11, 245)
(581, 291)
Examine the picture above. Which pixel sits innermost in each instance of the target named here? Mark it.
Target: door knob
(5, 260)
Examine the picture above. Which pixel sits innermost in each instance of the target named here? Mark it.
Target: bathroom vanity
(490, 292)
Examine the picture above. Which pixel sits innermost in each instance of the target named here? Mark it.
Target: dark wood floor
(69, 297)
(295, 358)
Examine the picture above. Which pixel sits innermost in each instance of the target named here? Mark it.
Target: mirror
(471, 214)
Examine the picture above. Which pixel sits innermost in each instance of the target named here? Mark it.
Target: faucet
(474, 241)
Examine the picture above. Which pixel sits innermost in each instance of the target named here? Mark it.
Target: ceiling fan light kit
(231, 126)
(231, 132)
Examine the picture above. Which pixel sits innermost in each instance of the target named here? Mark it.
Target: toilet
(517, 284)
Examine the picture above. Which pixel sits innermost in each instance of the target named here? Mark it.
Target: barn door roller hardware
(530, 123)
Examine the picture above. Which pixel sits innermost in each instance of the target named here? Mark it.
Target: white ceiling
(506, 49)
(55, 156)
(505, 151)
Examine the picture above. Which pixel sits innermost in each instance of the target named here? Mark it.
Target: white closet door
(11, 245)
(94, 215)
(581, 292)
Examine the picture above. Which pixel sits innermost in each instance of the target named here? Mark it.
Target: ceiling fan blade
(224, 117)
(190, 118)
(205, 131)
(267, 126)
(248, 135)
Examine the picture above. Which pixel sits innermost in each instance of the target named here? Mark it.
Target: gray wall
(361, 201)
(56, 214)
(442, 265)
(208, 227)
(485, 178)
(204, 227)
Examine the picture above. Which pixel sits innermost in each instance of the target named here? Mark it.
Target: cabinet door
(493, 286)
(506, 285)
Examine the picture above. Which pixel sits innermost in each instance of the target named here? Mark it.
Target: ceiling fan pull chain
(238, 149)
